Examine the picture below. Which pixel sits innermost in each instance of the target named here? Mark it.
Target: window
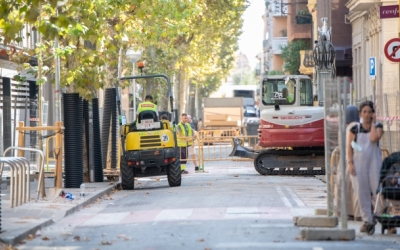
(279, 91)
(306, 92)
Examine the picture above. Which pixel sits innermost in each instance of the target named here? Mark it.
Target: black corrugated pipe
(109, 119)
(97, 158)
(7, 119)
(105, 125)
(86, 122)
(114, 117)
(33, 114)
(73, 140)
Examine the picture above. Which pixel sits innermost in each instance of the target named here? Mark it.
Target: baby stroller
(387, 206)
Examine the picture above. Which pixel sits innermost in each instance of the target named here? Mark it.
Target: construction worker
(148, 104)
(184, 136)
(191, 144)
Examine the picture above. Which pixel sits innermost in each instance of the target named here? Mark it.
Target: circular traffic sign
(392, 50)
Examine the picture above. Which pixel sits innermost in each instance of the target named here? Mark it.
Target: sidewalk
(18, 222)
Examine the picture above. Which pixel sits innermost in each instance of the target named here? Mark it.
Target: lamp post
(57, 90)
(134, 57)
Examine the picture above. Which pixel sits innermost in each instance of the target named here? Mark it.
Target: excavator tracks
(297, 162)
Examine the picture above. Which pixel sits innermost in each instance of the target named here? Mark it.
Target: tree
(173, 32)
(291, 55)
(244, 77)
(275, 72)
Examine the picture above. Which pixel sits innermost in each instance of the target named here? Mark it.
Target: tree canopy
(291, 55)
(198, 37)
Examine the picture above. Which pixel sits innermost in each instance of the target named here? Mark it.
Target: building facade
(369, 36)
(275, 36)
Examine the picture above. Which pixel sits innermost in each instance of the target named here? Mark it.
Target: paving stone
(328, 234)
(321, 211)
(317, 221)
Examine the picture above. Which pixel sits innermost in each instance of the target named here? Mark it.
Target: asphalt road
(230, 207)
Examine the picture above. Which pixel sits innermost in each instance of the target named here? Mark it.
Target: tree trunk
(163, 100)
(182, 90)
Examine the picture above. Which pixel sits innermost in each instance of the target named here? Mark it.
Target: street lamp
(134, 57)
(57, 91)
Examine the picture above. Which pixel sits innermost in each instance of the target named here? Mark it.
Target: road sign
(392, 50)
(372, 68)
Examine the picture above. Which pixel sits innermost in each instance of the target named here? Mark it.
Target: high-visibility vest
(182, 141)
(147, 106)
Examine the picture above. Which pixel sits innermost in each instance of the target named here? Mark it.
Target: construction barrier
(216, 145)
(58, 151)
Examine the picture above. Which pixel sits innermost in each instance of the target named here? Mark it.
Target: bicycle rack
(41, 184)
(19, 179)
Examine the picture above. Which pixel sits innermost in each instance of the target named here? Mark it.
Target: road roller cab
(149, 145)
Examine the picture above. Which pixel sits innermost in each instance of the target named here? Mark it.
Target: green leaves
(291, 55)
(198, 36)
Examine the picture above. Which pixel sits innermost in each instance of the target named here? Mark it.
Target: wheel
(259, 165)
(370, 229)
(174, 174)
(127, 175)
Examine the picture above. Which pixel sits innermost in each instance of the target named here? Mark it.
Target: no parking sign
(392, 50)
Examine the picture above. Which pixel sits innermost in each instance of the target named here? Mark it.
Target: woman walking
(364, 159)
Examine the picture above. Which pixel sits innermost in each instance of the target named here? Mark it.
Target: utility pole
(39, 79)
(57, 91)
(324, 63)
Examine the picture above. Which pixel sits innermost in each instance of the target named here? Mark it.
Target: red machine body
(287, 115)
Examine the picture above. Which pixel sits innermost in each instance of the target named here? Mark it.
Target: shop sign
(390, 11)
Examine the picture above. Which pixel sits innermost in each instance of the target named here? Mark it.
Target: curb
(22, 235)
(316, 234)
(90, 200)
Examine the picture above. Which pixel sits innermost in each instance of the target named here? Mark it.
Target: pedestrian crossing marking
(283, 197)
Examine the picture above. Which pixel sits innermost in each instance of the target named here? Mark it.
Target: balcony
(303, 19)
(278, 8)
(266, 45)
(277, 43)
(361, 5)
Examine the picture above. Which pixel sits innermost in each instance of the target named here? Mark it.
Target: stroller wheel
(370, 229)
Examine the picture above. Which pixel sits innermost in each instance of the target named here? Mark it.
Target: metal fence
(340, 196)
(19, 109)
(389, 116)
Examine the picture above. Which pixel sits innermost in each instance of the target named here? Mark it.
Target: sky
(250, 42)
